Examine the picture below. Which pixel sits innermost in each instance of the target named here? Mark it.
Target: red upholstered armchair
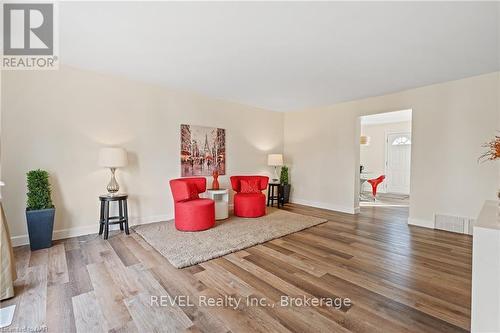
(249, 201)
(191, 212)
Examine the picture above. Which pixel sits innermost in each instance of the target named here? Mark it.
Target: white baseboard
(90, 229)
(421, 223)
(349, 210)
(149, 219)
(19, 240)
(59, 234)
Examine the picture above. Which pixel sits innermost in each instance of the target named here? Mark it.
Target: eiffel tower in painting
(206, 148)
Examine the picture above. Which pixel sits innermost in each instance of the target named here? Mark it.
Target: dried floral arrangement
(493, 151)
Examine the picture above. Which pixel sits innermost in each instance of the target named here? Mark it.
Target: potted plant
(39, 210)
(492, 153)
(285, 184)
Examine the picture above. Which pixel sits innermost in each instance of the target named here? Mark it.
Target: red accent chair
(191, 212)
(249, 204)
(375, 183)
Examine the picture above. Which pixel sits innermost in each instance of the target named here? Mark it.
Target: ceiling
(386, 118)
(283, 56)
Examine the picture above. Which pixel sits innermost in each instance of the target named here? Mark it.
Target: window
(401, 140)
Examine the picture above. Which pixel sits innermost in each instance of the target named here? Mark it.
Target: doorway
(385, 159)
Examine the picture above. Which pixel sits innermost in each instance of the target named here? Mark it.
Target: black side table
(105, 220)
(272, 196)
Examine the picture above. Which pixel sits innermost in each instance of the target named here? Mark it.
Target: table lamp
(113, 158)
(275, 160)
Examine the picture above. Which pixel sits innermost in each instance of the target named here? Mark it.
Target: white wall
(58, 120)
(450, 122)
(372, 156)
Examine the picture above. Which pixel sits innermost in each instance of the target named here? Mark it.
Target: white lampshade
(112, 157)
(364, 140)
(275, 159)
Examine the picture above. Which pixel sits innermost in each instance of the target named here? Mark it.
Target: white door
(398, 159)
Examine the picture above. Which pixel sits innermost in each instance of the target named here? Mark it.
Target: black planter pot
(285, 192)
(40, 227)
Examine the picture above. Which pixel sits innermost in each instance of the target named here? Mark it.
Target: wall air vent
(461, 225)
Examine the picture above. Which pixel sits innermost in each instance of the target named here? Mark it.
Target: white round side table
(221, 198)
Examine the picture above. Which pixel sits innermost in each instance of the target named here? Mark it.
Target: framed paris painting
(203, 150)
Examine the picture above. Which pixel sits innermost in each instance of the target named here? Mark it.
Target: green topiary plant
(284, 175)
(38, 190)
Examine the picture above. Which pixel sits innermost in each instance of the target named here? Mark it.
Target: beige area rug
(386, 200)
(184, 249)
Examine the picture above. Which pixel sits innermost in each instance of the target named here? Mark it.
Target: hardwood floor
(398, 278)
